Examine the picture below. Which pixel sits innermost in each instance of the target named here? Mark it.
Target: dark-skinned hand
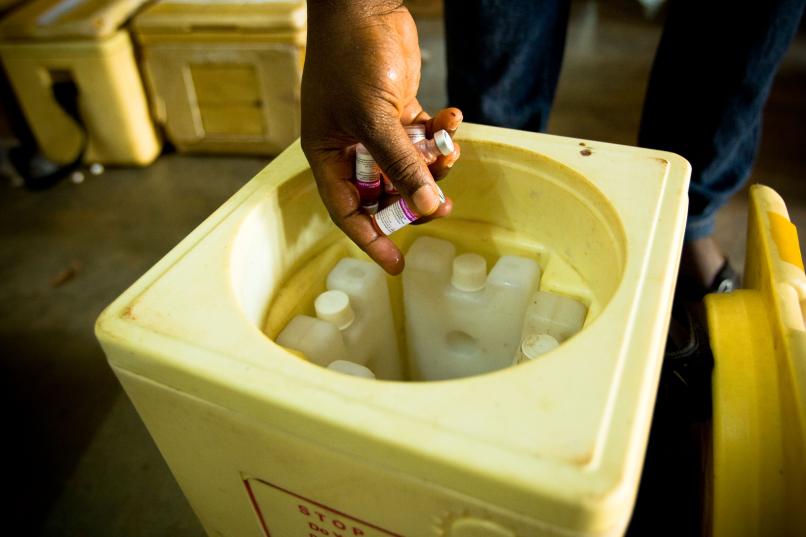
(360, 82)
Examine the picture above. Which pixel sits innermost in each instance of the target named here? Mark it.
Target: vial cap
(469, 272)
(534, 345)
(361, 150)
(351, 368)
(371, 209)
(443, 142)
(334, 307)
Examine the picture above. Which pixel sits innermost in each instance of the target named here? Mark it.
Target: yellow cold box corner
(84, 42)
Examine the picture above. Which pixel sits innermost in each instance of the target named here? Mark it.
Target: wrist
(367, 8)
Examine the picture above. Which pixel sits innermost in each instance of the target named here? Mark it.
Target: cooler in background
(49, 42)
(225, 75)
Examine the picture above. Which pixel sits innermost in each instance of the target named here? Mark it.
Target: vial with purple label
(397, 215)
(367, 179)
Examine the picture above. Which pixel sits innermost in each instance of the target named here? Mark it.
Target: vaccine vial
(397, 215)
(416, 133)
(367, 179)
(441, 144)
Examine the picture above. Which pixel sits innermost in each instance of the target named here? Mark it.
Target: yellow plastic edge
(759, 445)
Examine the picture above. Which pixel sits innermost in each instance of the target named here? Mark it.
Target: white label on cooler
(284, 513)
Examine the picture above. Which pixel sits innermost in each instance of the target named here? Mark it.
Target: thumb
(405, 167)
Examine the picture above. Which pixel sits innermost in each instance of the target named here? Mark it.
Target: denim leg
(712, 74)
(504, 59)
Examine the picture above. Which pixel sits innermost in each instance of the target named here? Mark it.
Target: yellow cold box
(264, 442)
(46, 41)
(225, 76)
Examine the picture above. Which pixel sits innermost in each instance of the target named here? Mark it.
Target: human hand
(360, 82)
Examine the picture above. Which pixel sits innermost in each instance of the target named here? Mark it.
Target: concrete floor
(81, 462)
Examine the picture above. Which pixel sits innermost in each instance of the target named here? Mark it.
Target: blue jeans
(709, 82)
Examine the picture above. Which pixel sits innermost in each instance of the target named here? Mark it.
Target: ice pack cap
(351, 368)
(534, 345)
(334, 307)
(469, 272)
(443, 142)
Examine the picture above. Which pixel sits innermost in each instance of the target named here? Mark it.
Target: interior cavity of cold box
(456, 287)
(507, 201)
(357, 306)
(460, 321)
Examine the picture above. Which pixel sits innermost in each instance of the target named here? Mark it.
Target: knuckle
(404, 171)
(372, 124)
(339, 219)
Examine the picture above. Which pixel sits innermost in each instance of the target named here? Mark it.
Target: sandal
(727, 279)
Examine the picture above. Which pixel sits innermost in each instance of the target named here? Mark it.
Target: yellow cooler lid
(758, 335)
(48, 19)
(222, 16)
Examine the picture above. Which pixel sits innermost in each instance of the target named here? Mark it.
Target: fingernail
(440, 194)
(426, 200)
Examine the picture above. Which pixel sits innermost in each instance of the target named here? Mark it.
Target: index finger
(448, 118)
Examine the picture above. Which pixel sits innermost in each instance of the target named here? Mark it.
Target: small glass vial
(440, 145)
(397, 215)
(416, 133)
(367, 179)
